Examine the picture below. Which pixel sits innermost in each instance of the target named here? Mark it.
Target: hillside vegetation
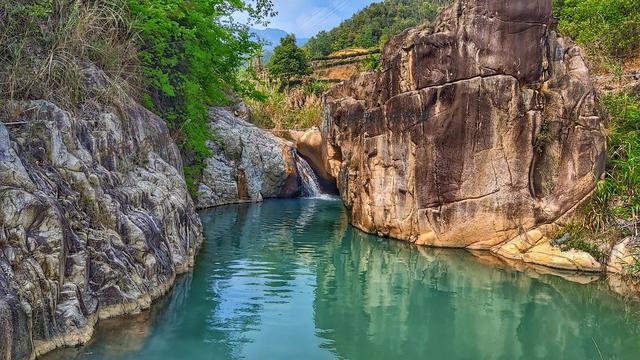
(374, 25)
(608, 30)
(177, 57)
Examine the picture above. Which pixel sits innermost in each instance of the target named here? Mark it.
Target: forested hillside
(374, 25)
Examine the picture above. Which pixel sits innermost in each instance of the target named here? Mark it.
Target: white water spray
(310, 184)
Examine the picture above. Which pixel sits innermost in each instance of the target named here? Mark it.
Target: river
(290, 279)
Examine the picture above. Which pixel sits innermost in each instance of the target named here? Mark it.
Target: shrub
(191, 53)
(371, 62)
(292, 108)
(614, 210)
(577, 237)
(611, 27)
(618, 195)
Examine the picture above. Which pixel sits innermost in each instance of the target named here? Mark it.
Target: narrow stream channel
(290, 279)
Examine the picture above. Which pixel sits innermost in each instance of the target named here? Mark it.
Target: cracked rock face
(249, 164)
(95, 219)
(479, 127)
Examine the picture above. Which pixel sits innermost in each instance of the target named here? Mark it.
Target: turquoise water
(291, 280)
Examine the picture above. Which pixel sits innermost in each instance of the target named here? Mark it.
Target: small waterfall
(310, 184)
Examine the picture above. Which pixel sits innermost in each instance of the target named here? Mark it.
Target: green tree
(321, 44)
(191, 53)
(288, 60)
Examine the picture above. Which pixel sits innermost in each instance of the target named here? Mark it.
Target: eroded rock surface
(95, 219)
(479, 127)
(249, 164)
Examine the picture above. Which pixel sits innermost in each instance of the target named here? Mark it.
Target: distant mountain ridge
(271, 37)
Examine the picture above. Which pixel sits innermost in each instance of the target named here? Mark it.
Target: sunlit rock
(95, 218)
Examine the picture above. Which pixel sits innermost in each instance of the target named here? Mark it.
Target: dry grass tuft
(46, 44)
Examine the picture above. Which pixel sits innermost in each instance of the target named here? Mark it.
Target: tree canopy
(191, 53)
(374, 25)
(288, 60)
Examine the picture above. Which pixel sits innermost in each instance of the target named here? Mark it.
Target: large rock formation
(249, 164)
(479, 127)
(95, 218)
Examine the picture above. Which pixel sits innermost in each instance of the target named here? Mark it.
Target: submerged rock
(249, 164)
(479, 127)
(95, 219)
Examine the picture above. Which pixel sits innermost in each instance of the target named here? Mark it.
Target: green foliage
(635, 268)
(374, 25)
(288, 61)
(317, 87)
(176, 57)
(618, 195)
(191, 53)
(610, 28)
(577, 237)
(288, 109)
(543, 138)
(614, 210)
(371, 62)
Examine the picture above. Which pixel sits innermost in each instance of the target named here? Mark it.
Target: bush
(293, 108)
(371, 62)
(610, 28)
(577, 237)
(614, 210)
(317, 87)
(618, 195)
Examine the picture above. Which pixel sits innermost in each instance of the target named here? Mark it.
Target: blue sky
(306, 18)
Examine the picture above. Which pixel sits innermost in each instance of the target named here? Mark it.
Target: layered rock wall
(95, 218)
(479, 127)
(249, 164)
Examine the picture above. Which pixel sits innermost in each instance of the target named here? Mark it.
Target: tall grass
(617, 198)
(292, 108)
(45, 45)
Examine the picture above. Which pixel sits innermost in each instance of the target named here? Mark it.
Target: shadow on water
(291, 279)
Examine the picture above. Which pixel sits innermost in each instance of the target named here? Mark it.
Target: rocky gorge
(482, 130)
(96, 217)
(251, 164)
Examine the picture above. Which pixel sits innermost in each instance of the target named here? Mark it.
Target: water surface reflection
(291, 280)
